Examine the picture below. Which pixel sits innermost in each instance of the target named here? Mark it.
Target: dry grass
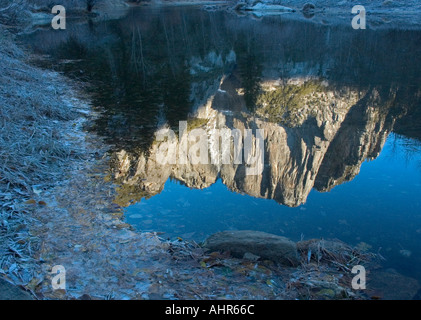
(34, 150)
(30, 109)
(334, 252)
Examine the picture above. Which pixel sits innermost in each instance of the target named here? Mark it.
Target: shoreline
(72, 225)
(42, 136)
(73, 222)
(379, 14)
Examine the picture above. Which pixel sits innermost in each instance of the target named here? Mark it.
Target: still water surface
(340, 110)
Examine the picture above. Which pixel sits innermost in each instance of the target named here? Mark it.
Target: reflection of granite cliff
(325, 136)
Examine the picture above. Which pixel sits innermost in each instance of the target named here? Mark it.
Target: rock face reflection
(323, 148)
(326, 97)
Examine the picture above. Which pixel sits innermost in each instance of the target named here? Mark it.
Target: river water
(340, 111)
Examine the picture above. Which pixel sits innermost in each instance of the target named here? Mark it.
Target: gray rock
(308, 10)
(265, 245)
(308, 7)
(250, 256)
(329, 245)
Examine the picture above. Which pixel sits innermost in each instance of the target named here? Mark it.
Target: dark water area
(340, 108)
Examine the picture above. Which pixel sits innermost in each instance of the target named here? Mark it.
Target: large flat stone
(265, 245)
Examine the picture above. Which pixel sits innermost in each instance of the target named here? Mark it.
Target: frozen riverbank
(57, 210)
(40, 137)
(379, 14)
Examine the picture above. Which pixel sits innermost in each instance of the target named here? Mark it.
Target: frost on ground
(81, 229)
(37, 114)
(57, 209)
(397, 14)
